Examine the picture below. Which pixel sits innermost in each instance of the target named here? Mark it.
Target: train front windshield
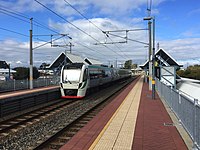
(71, 76)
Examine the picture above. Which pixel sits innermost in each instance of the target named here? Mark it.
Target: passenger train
(77, 78)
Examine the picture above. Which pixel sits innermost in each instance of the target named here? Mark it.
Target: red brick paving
(150, 133)
(87, 135)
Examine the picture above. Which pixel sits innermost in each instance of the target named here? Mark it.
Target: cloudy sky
(82, 23)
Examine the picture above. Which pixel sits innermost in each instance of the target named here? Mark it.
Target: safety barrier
(185, 108)
(13, 85)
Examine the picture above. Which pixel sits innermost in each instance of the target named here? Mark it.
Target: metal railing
(185, 108)
(13, 85)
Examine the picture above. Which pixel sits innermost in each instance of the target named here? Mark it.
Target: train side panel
(76, 79)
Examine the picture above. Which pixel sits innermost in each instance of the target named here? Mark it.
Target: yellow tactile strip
(119, 131)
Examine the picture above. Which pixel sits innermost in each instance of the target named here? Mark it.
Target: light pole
(151, 63)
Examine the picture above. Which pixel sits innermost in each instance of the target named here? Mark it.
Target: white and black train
(77, 78)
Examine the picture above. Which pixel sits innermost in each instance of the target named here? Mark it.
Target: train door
(83, 84)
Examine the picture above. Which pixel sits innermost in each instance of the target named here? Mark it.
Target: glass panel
(71, 75)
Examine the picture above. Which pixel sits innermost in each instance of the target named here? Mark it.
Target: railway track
(52, 127)
(21, 121)
(63, 135)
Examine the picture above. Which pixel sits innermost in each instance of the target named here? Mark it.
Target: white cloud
(183, 50)
(111, 7)
(21, 5)
(18, 62)
(194, 12)
(111, 53)
(180, 49)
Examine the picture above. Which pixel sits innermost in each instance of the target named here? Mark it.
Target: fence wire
(13, 85)
(185, 108)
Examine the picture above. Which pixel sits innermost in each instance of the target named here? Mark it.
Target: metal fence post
(195, 125)
(179, 106)
(161, 93)
(27, 83)
(172, 103)
(14, 84)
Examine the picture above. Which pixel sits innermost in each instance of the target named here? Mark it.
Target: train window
(73, 66)
(85, 75)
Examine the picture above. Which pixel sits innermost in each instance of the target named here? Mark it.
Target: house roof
(3, 64)
(6, 70)
(163, 58)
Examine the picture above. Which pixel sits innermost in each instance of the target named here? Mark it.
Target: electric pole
(31, 55)
(70, 47)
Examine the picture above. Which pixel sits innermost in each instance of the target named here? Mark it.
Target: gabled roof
(163, 58)
(3, 64)
(68, 57)
(71, 58)
(92, 61)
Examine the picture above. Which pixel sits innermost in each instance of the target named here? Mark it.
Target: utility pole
(70, 47)
(9, 72)
(158, 46)
(150, 56)
(153, 59)
(31, 55)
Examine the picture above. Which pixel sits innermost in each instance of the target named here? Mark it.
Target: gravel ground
(28, 137)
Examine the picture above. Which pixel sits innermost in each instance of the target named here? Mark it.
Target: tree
(23, 73)
(192, 72)
(134, 66)
(128, 64)
(44, 65)
(36, 73)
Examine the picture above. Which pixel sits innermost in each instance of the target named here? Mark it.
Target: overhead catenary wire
(65, 20)
(82, 15)
(73, 25)
(6, 13)
(48, 42)
(128, 39)
(91, 23)
(13, 12)
(17, 15)
(8, 30)
(13, 32)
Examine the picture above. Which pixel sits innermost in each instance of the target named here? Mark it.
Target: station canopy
(162, 58)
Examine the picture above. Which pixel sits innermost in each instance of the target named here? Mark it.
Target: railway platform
(131, 121)
(25, 92)
(16, 102)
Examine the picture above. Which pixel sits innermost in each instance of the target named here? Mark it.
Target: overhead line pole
(153, 59)
(31, 55)
(152, 56)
